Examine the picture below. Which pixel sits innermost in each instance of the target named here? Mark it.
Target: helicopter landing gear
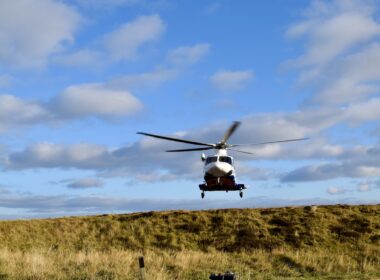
(203, 195)
(241, 194)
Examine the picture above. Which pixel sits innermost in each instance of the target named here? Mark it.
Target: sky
(79, 78)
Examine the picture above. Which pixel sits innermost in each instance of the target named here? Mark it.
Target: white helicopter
(219, 171)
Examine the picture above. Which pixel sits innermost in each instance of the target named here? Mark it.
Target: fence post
(142, 267)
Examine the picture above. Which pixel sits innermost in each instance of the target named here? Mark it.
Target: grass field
(326, 242)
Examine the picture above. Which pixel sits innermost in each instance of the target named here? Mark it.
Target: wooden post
(142, 267)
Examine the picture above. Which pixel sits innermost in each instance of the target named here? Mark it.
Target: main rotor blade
(230, 131)
(191, 150)
(239, 151)
(176, 139)
(272, 142)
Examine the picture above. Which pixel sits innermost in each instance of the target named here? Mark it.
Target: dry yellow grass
(332, 242)
(168, 265)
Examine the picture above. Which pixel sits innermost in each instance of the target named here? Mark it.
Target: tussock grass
(325, 242)
(122, 264)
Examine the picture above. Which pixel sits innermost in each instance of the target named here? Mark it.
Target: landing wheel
(241, 194)
(203, 195)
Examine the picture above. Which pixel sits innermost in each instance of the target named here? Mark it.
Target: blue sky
(79, 78)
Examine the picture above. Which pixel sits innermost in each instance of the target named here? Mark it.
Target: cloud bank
(20, 45)
(226, 80)
(58, 205)
(124, 42)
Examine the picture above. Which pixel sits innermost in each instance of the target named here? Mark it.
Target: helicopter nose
(220, 169)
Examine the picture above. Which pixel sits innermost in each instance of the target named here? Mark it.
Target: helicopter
(219, 170)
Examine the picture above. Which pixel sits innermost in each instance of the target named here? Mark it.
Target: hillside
(301, 240)
(228, 230)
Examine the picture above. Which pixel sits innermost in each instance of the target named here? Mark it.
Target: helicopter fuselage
(219, 174)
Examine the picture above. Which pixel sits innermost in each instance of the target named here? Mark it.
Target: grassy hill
(314, 242)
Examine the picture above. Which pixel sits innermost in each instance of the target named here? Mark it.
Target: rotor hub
(221, 145)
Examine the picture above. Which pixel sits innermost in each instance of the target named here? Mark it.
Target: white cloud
(336, 190)
(355, 162)
(146, 160)
(17, 112)
(121, 44)
(188, 54)
(134, 162)
(30, 31)
(49, 155)
(85, 183)
(341, 52)
(363, 187)
(62, 205)
(352, 78)
(314, 148)
(147, 156)
(95, 100)
(335, 28)
(177, 60)
(363, 112)
(253, 173)
(225, 80)
(77, 101)
(124, 42)
(315, 172)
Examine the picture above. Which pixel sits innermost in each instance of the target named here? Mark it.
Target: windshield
(225, 159)
(211, 159)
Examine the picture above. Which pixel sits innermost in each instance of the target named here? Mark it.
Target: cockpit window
(211, 159)
(225, 159)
